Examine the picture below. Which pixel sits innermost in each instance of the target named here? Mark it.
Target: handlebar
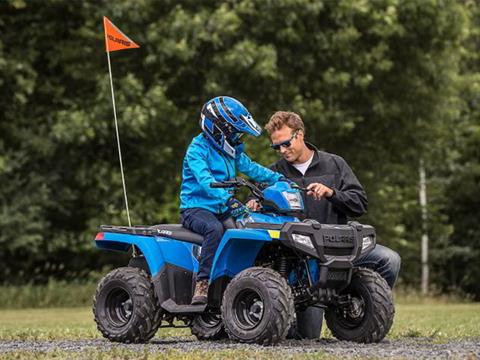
(224, 184)
(236, 183)
(242, 182)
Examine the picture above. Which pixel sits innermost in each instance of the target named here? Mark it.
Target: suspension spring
(282, 266)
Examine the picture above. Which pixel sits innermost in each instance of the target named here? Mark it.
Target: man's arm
(350, 197)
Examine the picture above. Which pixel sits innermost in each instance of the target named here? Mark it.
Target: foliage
(459, 268)
(381, 83)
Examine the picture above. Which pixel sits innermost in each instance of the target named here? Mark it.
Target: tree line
(384, 84)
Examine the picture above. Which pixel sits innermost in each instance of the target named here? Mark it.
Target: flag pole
(118, 135)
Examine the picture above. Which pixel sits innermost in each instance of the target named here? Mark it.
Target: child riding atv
(213, 156)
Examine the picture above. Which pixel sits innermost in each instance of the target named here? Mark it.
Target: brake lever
(295, 186)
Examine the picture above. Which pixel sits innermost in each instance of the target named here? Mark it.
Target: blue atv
(268, 269)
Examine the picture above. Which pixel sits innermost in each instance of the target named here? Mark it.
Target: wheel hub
(248, 307)
(119, 307)
(356, 308)
(256, 310)
(211, 320)
(127, 307)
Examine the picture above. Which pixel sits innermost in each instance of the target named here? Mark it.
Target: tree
(376, 82)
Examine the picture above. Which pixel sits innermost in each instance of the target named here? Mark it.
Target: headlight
(303, 240)
(367, 242)
(294, 200)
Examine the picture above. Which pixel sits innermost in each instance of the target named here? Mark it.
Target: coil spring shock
(282, 266)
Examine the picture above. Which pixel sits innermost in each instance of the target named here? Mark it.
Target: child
(213, 156)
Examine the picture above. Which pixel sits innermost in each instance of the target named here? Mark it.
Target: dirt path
(405, 348)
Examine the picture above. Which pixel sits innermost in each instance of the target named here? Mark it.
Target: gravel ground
(415, 348)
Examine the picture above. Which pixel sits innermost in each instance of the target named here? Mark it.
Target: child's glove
(236, 208)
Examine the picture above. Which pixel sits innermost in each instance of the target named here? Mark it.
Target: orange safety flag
(115, 39)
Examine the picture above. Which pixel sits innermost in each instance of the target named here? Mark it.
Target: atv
(268, 269)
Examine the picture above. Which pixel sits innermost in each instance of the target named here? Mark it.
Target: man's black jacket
(331, 170)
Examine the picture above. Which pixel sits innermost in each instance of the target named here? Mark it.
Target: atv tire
(125, 307)
(208, 327)
(370, 316)
(257, 307)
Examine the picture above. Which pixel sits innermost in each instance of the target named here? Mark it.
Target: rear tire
(125, 307)
(257, 307)
(370, 316)
(208, 327)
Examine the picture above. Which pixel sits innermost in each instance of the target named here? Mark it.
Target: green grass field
(440, 322)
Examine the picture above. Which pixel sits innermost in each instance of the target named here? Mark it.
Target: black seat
(178, 232)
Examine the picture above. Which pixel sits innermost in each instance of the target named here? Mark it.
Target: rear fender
(237, 251)
(158, 251)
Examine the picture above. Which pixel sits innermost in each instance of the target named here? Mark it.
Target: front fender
(157, 250)
(238, 251)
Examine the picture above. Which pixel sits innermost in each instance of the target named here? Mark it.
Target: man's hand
(253, 205)
(319, 191)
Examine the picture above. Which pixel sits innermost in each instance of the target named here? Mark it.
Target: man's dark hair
(284, 118)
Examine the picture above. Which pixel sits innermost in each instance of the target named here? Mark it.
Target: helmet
(224, 120)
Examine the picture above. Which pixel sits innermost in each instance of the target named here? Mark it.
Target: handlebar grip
(220, 185)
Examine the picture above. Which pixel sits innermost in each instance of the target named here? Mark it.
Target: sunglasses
(286, 143)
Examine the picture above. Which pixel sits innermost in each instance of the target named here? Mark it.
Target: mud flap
(309, 322)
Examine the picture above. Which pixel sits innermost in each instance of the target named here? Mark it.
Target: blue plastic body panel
(157, 250)
(271, 218)
(275, 194)
(237, 251)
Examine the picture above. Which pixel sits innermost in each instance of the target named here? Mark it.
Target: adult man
(335, 191)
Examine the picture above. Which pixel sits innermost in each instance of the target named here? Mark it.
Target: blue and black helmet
(224, 120)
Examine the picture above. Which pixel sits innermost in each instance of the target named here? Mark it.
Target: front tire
(125, 307)
(369, 316)
(257, 307)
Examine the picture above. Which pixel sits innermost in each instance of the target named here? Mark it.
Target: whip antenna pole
(118, 139)
(115, 40)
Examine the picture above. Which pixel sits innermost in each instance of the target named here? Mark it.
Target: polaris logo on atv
(165, 232)
(344, 239)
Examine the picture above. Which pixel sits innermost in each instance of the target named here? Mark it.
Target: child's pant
(207, 224)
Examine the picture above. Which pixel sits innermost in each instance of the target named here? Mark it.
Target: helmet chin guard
(224, 120)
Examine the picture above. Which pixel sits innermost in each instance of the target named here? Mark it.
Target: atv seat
(178, 232)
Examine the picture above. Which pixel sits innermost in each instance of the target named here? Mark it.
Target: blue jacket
(203, 164)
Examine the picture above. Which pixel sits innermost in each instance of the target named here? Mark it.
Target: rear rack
(132, 230)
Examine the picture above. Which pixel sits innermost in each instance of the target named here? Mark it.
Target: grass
(170, 355)
(441, 322)
(437, 321)
(61, 311)
(53, 294)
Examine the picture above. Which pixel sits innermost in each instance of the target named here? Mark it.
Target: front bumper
(335, 248)
(333, 245)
